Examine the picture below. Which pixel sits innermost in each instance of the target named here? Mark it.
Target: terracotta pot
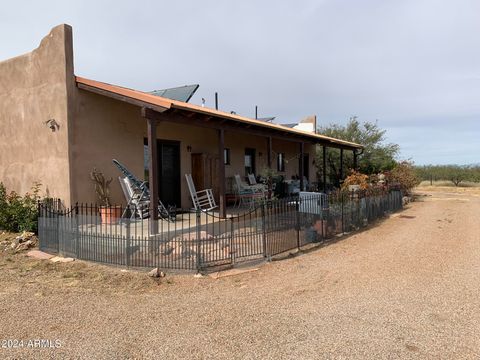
(320, 227)
(110, 214)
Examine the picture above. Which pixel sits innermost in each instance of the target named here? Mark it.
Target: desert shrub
(355, 178)
(19, 213)
(403, 175)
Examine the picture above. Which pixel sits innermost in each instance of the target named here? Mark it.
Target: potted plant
(355, 182)
(108, 213)
(268, 174)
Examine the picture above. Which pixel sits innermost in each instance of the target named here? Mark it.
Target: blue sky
(412, 65)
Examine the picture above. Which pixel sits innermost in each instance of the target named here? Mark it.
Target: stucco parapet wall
(34, 89)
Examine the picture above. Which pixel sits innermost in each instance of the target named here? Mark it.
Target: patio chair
(136, 202)
(137, 195)
(253, 183)
(203, 199)
(247, 194)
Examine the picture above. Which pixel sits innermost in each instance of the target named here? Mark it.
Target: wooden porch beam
(341, 165)
(269, 152)
(177, 117)
(221, 175)
(324, 170)
(152, 171)
(300, 165)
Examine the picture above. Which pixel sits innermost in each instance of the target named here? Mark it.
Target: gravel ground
(406, 288)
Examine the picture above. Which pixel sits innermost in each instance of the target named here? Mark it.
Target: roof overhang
(177, 111)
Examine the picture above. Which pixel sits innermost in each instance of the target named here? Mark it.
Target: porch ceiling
(177, 111)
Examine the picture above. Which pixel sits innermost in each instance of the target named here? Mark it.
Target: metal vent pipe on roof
(216, 101)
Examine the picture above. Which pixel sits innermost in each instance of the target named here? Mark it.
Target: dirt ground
(406, 288)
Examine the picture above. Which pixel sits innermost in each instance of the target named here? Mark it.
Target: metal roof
(157, 102)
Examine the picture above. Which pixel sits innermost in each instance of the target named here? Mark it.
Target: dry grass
(442, 188)
(449, 184)
(407, 288)
(20, 270)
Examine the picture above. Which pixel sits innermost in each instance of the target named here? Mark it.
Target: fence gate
(213, 240)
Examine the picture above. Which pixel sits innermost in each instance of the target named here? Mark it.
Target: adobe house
(55, 127)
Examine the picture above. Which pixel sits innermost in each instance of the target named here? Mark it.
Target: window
(226, 156)
(249, 161)
(281, 162)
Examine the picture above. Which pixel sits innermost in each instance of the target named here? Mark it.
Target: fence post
(297, 220)
(39, 215)
(197, 225)
(264, 231)
(127, 240)
(233, 250)
(77, 232)
(59, 235)
(342, 198)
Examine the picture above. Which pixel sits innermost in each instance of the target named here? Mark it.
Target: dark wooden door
(205, 168)
(169, 172)
(306, 166)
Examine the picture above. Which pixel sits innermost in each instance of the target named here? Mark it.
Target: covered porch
(236, 146)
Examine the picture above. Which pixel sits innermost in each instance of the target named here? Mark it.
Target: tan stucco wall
(33, 89)
(104, 129)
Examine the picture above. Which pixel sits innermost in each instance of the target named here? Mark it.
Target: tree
(404, 176)
(454, 173)
(377, 156)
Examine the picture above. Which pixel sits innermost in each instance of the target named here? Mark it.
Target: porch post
(153, 174)
(221, 174)
(341, 165)
(301, 166)
(269, 152)
(324, 171)
(355, 159)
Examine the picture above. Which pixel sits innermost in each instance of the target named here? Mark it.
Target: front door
(306, 166)
(169, 172)
(249, 161)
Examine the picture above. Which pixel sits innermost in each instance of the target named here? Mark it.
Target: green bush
(19, 213)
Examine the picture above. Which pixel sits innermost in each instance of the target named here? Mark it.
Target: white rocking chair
(203, 199)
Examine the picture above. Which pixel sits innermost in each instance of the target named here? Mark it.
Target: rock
(155, 273)
(60, 259)
(25, 245)
(24, 236)
(405, 200)
(162, 274)
(37, 254)
(198, 275)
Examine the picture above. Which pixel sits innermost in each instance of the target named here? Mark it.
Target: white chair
(203, 199)
(253, 183)
(247, 194)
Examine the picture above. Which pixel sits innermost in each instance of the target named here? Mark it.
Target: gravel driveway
(406, 288)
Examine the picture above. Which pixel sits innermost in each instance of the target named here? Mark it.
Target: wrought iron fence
(199, 240)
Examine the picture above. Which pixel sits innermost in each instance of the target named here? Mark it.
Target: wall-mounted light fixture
(52, 124)
(189, 148)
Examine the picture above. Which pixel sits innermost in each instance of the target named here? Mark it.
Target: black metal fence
(199, 240)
